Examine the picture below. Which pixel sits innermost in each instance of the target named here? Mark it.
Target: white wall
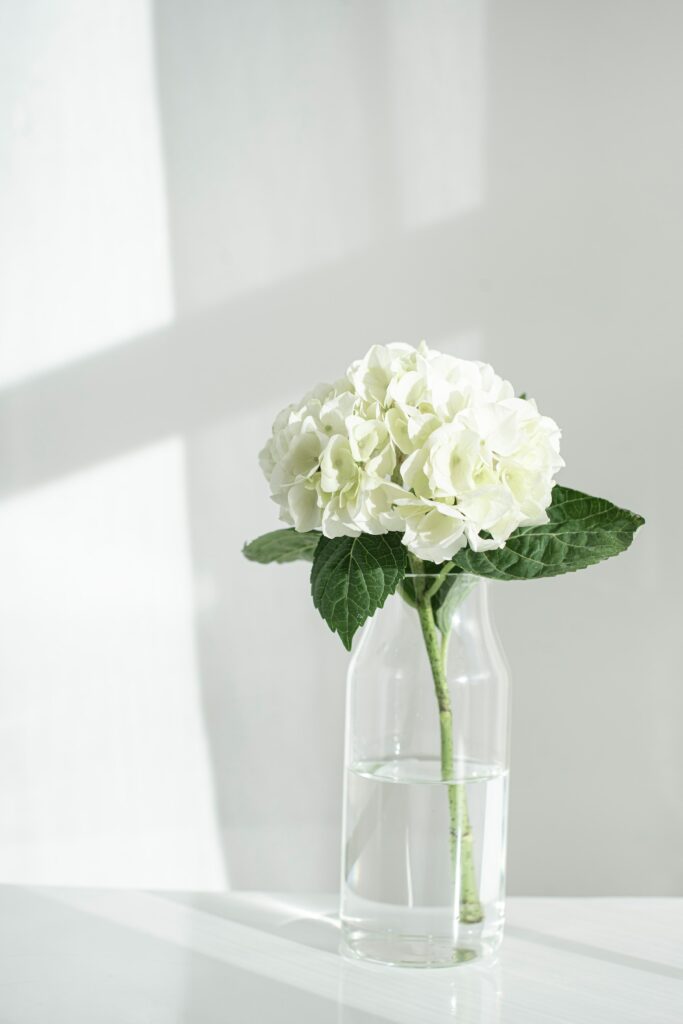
(206, 207)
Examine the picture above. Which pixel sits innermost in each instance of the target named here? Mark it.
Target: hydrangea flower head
(418, 441)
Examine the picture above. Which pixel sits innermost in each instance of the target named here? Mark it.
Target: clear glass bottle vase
(426, 776)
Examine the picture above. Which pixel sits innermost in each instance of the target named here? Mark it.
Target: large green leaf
(353, 576)
(581, 531)
(282, 546)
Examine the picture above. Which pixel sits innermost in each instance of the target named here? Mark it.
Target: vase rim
(433, 575)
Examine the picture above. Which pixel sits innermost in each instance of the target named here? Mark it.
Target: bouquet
(414, 473)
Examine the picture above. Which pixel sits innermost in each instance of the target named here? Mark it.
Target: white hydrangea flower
(418, 441)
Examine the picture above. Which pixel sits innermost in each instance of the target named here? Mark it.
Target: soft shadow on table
(218, 957)
(636, 963)
(311, 963)
(312, 923)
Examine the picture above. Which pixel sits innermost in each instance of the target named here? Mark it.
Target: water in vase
(408, 879)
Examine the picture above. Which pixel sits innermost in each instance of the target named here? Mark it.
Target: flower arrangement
(414, 456)
(416, 472)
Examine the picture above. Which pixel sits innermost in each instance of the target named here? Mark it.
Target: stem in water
(460, 831)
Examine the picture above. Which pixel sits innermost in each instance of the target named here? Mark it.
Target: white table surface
(124, 957)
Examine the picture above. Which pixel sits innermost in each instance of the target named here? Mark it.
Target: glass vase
(426, 779)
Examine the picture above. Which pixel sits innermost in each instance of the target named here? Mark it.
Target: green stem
(436, 583)
(460, 832)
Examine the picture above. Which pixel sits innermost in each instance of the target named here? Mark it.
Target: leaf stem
(436, 583)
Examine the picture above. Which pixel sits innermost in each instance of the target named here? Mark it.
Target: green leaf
(353, 576)
(406, 589)
(582, 531)
(282, 546)
(450, 594)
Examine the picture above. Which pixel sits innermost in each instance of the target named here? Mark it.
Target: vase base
(397, 950)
